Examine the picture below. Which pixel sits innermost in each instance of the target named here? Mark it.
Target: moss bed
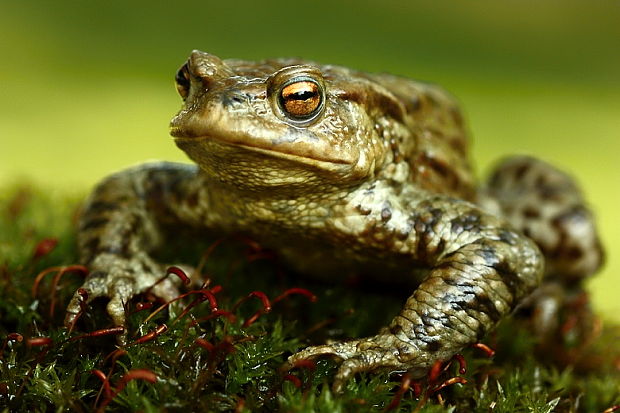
(187, 357)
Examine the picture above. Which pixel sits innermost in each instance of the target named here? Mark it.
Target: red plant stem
(179, 273)
(259, 294)
(44, 247)
(152, 335)
(197, 301)
(207, 254)
(100, 333)
(219, 313)
(207, 345)
(417, 388)
(435, 371)
(73, 268)
(119, 352)
(290, 291)
(188, 308)
(10, 337)
(136, 374)
(405, 385)
(252, 319)
(114, 356)
(141, 306)
(485, 349)
(205, 292)
(293, 379)
(171, 270)
(104, 381)
(252, 244)
(39, 277)
(240, 406)
(252, 256)
(449, 382)
(217, 351)
(39, 341)
(305, 364)
(60, 271)
(107, 331)
(225, 346)
(612, 409)
(263, 298)
(462, 363)
(14, 337)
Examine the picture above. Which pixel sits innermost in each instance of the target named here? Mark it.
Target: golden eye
(301, 99)
(182, 81)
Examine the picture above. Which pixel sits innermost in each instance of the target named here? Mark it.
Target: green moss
(242, 370)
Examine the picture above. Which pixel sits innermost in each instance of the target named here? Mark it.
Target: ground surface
(230, 360)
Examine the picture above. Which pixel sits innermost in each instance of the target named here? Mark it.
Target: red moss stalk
(405, 385)
(293, 379)
(11, 337)
(136, 374)
(152, 335)
(449, 382)
(44, 247)
(302, 291)
(101, 333)
(462, 363)
(485, 349)
(39, 341)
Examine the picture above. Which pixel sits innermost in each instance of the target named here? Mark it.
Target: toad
(344, 172)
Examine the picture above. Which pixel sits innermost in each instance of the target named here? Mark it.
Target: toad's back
(439, 159)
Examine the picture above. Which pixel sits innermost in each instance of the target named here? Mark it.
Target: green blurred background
(87, 87)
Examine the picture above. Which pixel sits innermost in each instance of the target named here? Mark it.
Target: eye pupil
(305, 95)
(301, 99)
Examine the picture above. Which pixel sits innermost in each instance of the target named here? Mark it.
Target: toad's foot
(120, 279)
(381, 352)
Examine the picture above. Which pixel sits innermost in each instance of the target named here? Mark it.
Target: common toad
(344, 172)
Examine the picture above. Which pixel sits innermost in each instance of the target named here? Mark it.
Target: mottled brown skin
(373, 178)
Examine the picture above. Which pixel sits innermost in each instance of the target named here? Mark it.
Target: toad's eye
(301, 99)
(182, 81)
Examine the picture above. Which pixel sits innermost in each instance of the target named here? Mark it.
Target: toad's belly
(332, 265)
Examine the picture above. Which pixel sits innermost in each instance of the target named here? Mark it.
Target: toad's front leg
(480, 270)
(121, 224)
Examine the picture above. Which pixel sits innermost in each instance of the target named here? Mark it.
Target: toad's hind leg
(548, 207)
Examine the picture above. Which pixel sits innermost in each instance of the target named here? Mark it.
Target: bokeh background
(87, 87)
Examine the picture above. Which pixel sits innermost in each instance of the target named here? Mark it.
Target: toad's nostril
(234, 98)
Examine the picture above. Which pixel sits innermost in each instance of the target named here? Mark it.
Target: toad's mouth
(289, 151)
